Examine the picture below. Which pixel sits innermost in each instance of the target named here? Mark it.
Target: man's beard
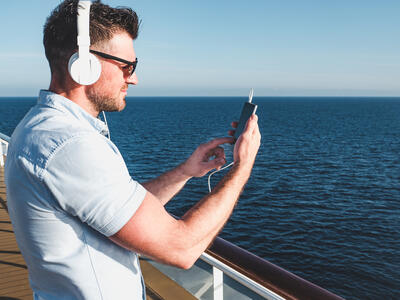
(102, 102)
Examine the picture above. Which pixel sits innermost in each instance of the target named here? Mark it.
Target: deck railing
(226, 271)
(262, 277)
(228, 262)
(4, 140)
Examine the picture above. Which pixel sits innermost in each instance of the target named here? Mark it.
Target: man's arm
(153, 232)
(166, 186)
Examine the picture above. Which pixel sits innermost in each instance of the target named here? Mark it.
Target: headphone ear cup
(79, 71)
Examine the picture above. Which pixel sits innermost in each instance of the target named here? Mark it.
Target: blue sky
(223, 48)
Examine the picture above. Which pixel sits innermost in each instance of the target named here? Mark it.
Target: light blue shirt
(68, 190)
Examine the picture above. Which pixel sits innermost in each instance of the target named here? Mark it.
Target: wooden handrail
(274, 278)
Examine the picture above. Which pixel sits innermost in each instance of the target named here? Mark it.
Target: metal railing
(262, 277)
(4, 140)
(226, 271)
(234, 273)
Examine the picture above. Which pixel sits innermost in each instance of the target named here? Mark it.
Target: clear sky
(225, 47)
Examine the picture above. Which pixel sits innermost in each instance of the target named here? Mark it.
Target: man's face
(109, 92)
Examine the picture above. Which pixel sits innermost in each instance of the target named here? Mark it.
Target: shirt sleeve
(89, 179)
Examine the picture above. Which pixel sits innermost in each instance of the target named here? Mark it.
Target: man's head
(107, 26)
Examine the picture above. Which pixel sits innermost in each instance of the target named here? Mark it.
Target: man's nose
(132, 79)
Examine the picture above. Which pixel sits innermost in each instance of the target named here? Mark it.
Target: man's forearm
(167, 185)
(204, 221)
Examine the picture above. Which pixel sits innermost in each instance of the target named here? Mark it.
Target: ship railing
(226, 271)
(4, 140)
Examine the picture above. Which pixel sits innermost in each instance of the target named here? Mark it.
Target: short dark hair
(60, 30)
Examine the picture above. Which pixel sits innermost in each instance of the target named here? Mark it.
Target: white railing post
(241, 278)
(218, 276)
(1, 154)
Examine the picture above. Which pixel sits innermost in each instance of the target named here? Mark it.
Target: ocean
(323, 200)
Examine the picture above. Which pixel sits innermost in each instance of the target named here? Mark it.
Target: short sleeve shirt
(68, 190)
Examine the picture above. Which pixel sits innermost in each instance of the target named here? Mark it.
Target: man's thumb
(219, 162)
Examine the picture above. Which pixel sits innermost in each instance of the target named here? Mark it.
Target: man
(79, 218)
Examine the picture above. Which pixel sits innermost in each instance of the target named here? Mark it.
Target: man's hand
(206, 157)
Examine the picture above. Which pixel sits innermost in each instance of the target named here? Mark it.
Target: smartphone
(247, 110)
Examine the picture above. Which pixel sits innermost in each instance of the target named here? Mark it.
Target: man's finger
(218, 141)
(217, 152)
(219, 162)
(216, 163)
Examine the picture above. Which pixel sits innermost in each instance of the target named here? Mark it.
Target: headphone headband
(83, 23)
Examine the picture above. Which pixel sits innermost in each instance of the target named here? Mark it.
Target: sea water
(323, 200)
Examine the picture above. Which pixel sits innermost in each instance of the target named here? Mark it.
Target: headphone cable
(209, 177)
(108, 129)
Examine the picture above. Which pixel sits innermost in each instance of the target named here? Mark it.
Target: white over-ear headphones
(83, 66)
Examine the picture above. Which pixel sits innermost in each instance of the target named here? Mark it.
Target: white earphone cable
(209, 177)
(108, 129)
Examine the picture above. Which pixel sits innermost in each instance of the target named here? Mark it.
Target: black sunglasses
(131, 65)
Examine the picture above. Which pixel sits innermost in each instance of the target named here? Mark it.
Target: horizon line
(244, 96)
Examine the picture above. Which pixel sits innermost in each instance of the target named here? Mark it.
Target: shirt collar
(65, 105)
